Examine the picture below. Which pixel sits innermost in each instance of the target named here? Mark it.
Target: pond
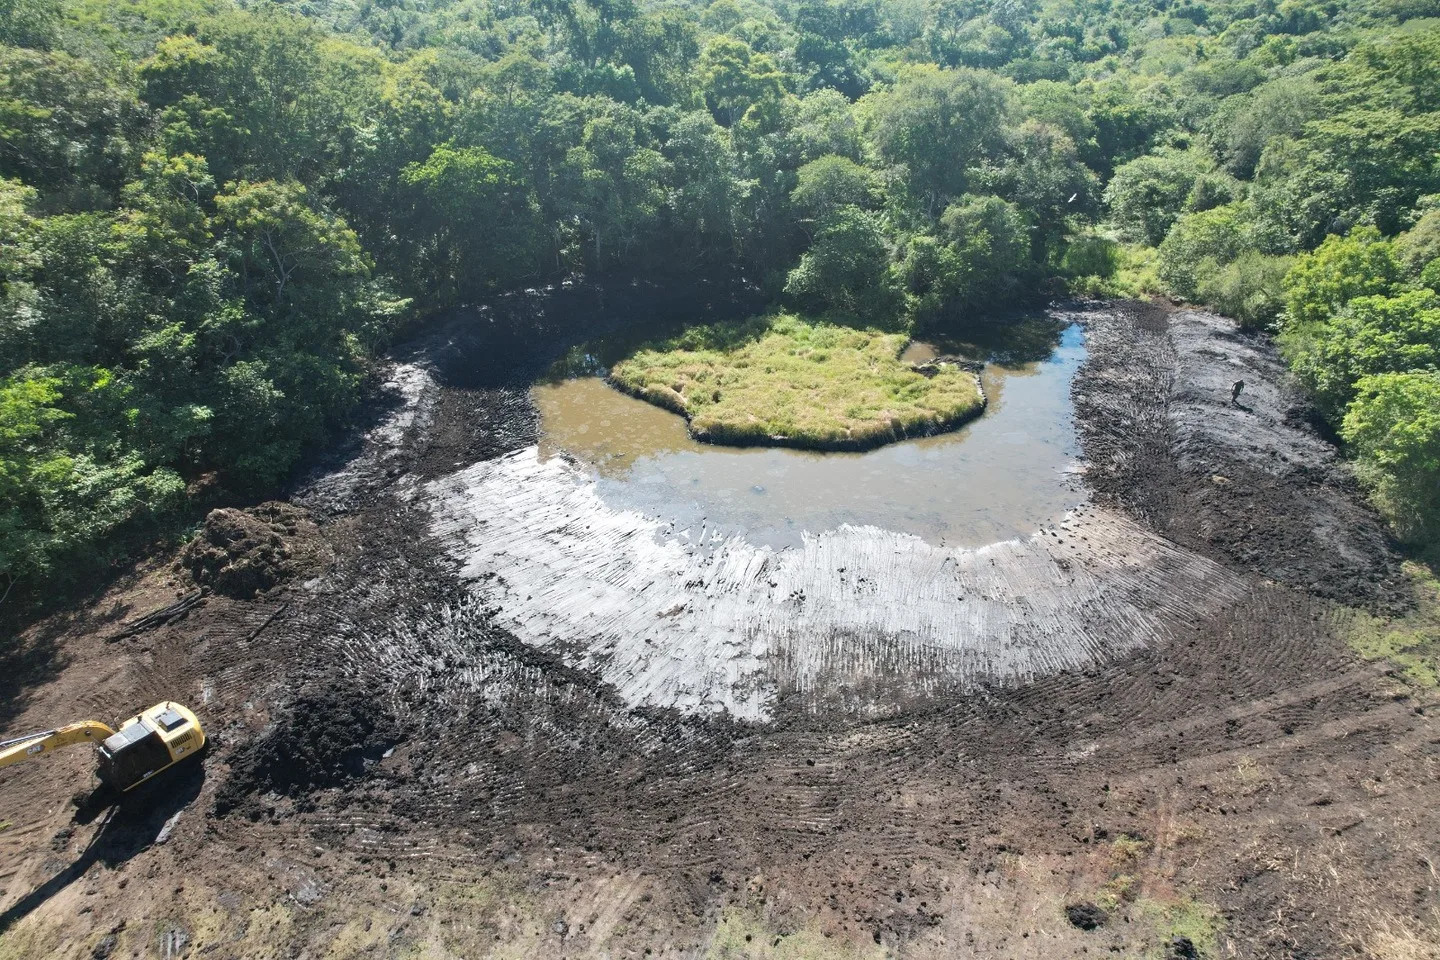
(999, 477)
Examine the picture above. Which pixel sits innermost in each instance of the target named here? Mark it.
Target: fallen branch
(268, 620)
(158, 618)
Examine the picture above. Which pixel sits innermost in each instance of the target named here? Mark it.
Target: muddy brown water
(1001, 476)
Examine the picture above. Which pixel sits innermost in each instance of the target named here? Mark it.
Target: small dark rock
(1086, 916)
(1181, 948)
(105, 947)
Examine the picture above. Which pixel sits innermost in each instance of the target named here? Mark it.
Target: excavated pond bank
(1251, 485)
(688, 615)
(453, 737)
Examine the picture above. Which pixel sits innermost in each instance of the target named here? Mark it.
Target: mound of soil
(324, 739)
(240, 553)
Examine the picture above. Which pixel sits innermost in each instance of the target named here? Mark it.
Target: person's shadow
(132, 822)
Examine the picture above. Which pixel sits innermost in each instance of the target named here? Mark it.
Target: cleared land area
(782, 380)
(418, 753)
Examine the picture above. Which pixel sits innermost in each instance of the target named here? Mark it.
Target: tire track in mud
(685, 620)
(1093, 665)
(501, 734)
(835, 664)
(1252, 484)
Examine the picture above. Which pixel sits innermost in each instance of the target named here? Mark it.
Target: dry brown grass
(1393, 939)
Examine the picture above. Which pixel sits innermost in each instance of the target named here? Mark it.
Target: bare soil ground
(1239, 786)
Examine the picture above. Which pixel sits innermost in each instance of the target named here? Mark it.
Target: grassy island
(783, 381)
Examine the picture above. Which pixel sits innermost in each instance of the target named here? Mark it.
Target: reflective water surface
(1001, 476)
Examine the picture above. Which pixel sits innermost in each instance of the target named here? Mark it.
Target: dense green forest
(214, 214)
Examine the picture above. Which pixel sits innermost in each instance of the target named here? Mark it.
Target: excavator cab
(147, 743)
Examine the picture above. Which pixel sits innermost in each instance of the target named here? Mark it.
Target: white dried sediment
(687, 620)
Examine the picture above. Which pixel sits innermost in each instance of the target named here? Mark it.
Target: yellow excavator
(149, 742)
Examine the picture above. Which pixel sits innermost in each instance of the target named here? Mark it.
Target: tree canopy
(214, 214)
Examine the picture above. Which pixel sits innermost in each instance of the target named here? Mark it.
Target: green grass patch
(1196, 921)
(1411, 642)
(743, 934)
(1127, 850)
(783, 381)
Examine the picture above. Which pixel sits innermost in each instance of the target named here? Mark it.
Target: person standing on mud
(1235, 389)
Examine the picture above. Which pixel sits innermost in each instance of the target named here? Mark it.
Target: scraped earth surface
(507, 719)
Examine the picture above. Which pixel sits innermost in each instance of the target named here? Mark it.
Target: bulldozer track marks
(617, 738)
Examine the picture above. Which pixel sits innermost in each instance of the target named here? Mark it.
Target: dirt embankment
(1238, 785)
(1250, 483)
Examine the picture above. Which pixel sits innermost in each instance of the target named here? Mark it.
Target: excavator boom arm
(86, 731)
(152, 740)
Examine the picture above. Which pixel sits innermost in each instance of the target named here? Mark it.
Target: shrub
(847, 268)
(1198, 245)
(1430, 276)
(1371, 335)
(1393, 431)
(829, 184)
(980, 255)
(1339, 270)
(65, 484)
(1092, 257)
(1419, 245)
(1213, 190)
(1147, 195)
(1250, 290)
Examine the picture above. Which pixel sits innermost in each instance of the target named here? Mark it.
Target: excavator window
(128, 756)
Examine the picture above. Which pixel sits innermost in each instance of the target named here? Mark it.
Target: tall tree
(937, 126)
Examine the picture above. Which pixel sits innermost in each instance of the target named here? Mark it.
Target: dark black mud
(1248, 759)
(324, 738)
(1252, 484)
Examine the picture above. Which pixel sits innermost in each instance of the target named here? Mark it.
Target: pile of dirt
(240, 553)
(325, 738)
